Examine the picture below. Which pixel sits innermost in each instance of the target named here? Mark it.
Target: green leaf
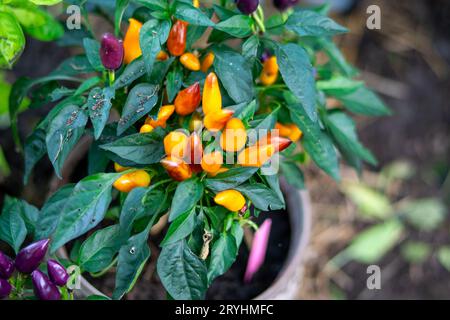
(373, 243)
(97, 252)
(88, 84)
(140, 101)
(85, 208)
(12, 40)
(370, 202)
(235, 74)
(343, 130)
(297, 73)
(121, 6)
(230, 179)
(35, 149)
(223, 255)
(187, 12)
(336, 57)
(92, 49)
(444, 257)
(182, 273)
(174, 83)
(309, 23)
(131, 262)
(133, 71)
(71, 67)
(45, 2)
(99, 105)
(315, 141)
(364, 101)
(262, 197)
(187, 194)
(415, 252)
(139, 148)
(51, 212)
(156, 5)
(180, 228)
(63, 134)
(152, 36)
(292, 173)
(12, 227)
(239, 26)
(250, 47)
(338, 85)
(425, 214)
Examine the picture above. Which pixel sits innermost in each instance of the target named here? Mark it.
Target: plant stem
(259, 22)
(111, 76)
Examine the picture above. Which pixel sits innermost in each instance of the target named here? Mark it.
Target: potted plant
(185, 136)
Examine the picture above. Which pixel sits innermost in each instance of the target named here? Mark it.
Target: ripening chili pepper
(175, 144)
(212, 98)
(162, 56)
(146, 128)
(131, 41)
(194, 149)
(282, 5)
(190, 61)
(129, 181)
(164, 114)
(215, 121)
(29, 258)
(176, 168)
(221, 170)
(269, 74)
(188, 100)
(278, 142)
(176, 43)
(119, 168)
(256, 156)
(247, 6)
(6, 266)
(57, 273)
(111, 52)
(290, 131)
(234, 136)
(195, 123)
(5, 288)
(212, 162)
(44, 289)
(196, 3)
(231, 199)
(207, 62)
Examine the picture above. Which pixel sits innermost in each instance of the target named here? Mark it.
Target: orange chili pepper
(188, 100)
(164, 114)
(176, 43)
(207, 62)
(175, 144)
(215, 121)
(176, 168)
(231, 199)
(234, 136)
(212, 162)
(119, 168)
(196, 3)
(269, 73)
(129, 181)
(221, 170)
(212, 98)
(256, 156)
(194, 149)
(131, 41)
(190, 61)
(146, 128)
(290, 131)
(162, 55)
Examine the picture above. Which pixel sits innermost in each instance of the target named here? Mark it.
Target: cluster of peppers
(27, 263)
(185, 153)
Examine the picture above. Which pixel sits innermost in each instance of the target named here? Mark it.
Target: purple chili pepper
(111, 52)
(29, 258)
(44, 289)
(265, 55)
(6, 266)
(284, 4)
(57, 273)
(247, 6)
(258, 250)
(5, 288)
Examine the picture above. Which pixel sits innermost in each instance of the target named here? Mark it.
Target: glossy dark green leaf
(250, 47)
(12, 227)
(182, 273)
(133, 71)
(292, 173)
(73, 66)
(12, 40)
(337, 59)
(235, 74)
(140, 101)
(99, 105)
(85, 208)
(223, 255)
(273, 182)
(239, 26)
(174, 83)
(139, 148)
(92, 50)
(152, 36)
(160, 70)
(309, 23)
(297, 73)
(97, 251)
(157, 5)
(121, 6)
(230, 179)
(187, 12)
(64, 132)
(97, 159)
(35, 149)
(187, 194)
(180, 228)
(87, 84)
(363, 101)
(262, 197)
(28, 212)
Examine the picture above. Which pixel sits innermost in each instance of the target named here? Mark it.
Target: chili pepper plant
(199, 134)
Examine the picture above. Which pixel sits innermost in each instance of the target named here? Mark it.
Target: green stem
(259, 22)
(111, 76)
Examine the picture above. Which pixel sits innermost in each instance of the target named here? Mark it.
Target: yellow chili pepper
(212, 98)
(146, 128)
(175, 144)
(290, 131)
(196, 3)
(215, 121)
(119, 168)
(162, 56)
(131, 41)
(221, 170)
(207, 62)
(190, 61)
(196, 122)
(164, 114)
(231, 199)
(177, 168)
(129, 181)
(212, 162)
(234, 136)
(256, 156)
(269, 73)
